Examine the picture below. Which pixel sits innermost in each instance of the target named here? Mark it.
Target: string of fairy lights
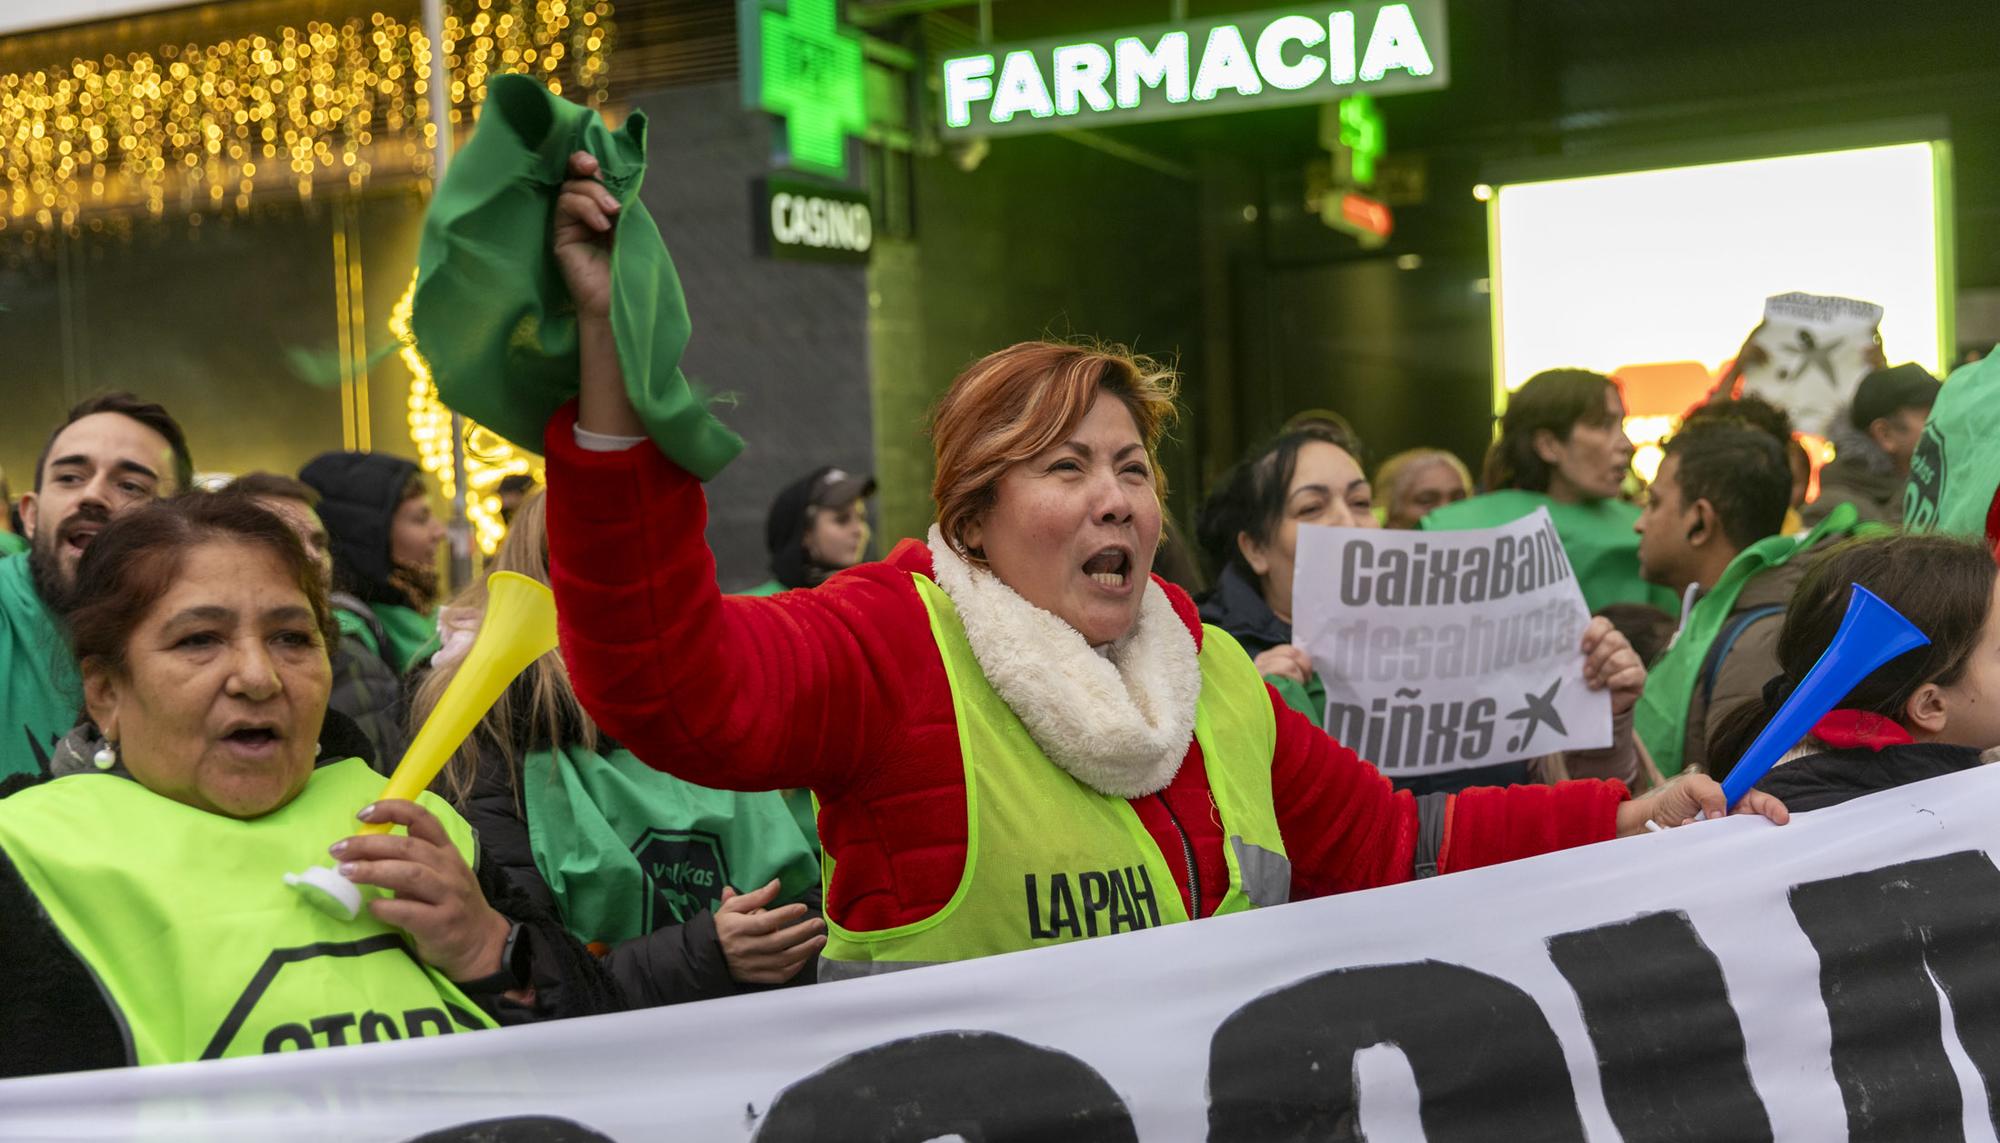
(210, 123)
(205, 127)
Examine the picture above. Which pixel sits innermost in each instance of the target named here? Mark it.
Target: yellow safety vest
(1050, 860)
(203, 951)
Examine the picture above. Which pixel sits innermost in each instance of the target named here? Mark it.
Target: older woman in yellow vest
(1016, 735)
(146, 919)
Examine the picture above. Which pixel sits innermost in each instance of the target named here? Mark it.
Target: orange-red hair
(1022, 400)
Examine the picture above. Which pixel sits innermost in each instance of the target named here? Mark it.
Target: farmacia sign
(1312, 53)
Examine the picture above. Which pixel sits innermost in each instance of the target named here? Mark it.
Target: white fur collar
(1120, 721)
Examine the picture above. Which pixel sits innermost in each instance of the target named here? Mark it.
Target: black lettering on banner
(1673, 1069)
(922, 1087)
(1503, 567)
(1394, 579)
(1486, 1062)
(1478, 561)
(1356, 560)
(292, 1037)
(1441, 743)
(1479, 728)
(1883, 937)
(1443, 589)
(515, 1129)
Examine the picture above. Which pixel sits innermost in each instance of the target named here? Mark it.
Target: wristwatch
(516, 953)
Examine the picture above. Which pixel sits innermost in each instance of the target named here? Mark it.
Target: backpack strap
(1725, 640)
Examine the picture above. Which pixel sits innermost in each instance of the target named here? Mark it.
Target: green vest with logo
(626, 849)
(1662, 715)
(1049, 860)
(202, 950)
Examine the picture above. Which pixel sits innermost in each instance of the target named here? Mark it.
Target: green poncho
(1597, 536)
(626, 848)
(492, 315)
(1955, 474)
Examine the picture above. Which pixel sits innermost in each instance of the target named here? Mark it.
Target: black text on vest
(1090, 903)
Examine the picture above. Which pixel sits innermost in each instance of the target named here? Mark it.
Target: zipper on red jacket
(1187, 855)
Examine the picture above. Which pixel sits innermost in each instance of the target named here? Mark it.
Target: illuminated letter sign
(810, 221)
(1312, 53)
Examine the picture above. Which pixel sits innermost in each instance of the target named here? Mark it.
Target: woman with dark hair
(145, 899)
(817, 525)
(1931, 711)
(1250, 527)
(385, 550)
(1016, 702)
(1563, 447)
(634, 860)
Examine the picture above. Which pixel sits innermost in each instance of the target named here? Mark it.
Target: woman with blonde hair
(1017, 736)
(639, 864)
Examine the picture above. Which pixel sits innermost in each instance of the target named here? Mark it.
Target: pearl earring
(106, 756)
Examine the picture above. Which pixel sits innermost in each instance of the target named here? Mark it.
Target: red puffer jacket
(841, 689)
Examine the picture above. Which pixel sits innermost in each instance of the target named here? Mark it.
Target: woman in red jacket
(1017, 736)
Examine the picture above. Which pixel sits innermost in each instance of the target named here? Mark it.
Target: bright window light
(1670, 268)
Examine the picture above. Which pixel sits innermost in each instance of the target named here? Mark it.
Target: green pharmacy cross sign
(800, 64)
(1309, 53)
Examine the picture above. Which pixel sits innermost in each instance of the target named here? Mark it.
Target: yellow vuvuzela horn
(518, 627)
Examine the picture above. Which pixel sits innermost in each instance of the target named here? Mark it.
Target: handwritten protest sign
(1447, 650)
(1816, 350)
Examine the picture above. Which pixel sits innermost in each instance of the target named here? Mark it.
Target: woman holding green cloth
(639, 863)
(1563, 447)
(147, 919)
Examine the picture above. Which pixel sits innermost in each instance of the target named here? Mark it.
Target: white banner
(1447, 650)
(1731, 980)
(1816, 351)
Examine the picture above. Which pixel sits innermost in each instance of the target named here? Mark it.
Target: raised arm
(735, 693)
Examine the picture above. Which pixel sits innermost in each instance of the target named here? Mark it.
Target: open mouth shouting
(1111, 569)
(253, 739)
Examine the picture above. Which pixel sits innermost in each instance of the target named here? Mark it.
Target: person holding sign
(1563, 447)
(1017, 737)
(1251, 526)
(147, 917)
(1931, 711)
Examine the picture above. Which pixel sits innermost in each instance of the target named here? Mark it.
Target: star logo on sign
(1539, 709)
(812, 75)
(1811, 355)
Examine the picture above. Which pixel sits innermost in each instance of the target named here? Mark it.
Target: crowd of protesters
(203, 685)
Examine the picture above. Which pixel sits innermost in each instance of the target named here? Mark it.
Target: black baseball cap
(1886, 392)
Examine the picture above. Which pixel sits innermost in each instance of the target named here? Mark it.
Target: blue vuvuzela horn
(1871, 634)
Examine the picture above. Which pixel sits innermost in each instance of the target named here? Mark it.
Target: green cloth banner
(492, 315)
(1955, 475)
(626, 849)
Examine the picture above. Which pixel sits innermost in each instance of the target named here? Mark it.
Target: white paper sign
(1731, 980)
(1816, 350)
(1446, 650)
